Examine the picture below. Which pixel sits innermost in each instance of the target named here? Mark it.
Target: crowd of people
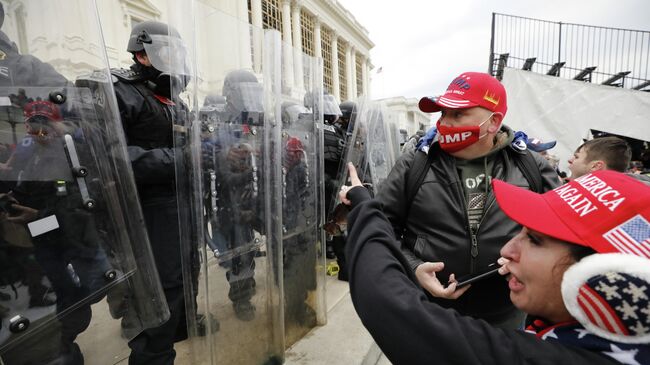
(567, 254)
(470, 197)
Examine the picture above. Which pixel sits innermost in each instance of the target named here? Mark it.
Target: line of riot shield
(233, 152)
(77, 276)
(302, 197)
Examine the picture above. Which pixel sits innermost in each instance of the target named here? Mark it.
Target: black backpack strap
(528, 166)
(415, 177)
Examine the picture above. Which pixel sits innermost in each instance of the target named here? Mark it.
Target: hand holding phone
(469, 279)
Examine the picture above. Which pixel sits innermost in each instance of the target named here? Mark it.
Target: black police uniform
(334, 150)
(147, 120)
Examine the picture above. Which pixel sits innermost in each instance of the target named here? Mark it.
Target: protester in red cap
(580, 268)
(439, 200)
(41, 120)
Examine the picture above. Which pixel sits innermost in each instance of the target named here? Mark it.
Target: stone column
(335, 67)
(245, 56)
(348, 66)
(318, 49)
(258, 36)
(297, 46)
(287, 45)
(364, 76)
(353, 73)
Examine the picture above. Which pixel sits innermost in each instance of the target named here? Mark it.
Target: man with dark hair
(605, 153)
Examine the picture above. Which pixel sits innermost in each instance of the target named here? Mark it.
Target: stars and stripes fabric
(574, 334)
(632, 236)
(618, 303)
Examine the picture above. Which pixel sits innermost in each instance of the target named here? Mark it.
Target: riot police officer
(148, 100)
(334, 146)
(239, 213)
(348, 111)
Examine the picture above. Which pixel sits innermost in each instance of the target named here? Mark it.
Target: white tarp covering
(553, 108)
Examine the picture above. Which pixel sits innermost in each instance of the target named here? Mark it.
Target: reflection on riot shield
(75, 263)
(65, 246)
(300, 229)
(380, 152)
(234, 156)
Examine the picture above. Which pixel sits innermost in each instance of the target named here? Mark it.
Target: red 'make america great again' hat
(605, 210)
(468, 90)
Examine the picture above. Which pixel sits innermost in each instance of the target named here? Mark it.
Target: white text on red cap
(583, 205)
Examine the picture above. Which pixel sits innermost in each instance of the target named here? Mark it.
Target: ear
(598, 165)
(142, 58)
(495, 123)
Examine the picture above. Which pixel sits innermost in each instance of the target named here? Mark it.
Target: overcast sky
(422, 44)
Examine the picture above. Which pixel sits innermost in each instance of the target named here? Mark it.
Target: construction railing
(609, 56)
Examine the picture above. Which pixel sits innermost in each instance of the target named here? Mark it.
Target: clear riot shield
(394, 133)
(302, 198)
(234, 149)
(380, 153)
(77, 277)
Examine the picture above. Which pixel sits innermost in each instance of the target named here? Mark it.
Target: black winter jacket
(437, 228)
(409, 328)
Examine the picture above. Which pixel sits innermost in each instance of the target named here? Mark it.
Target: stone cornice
(333, 15)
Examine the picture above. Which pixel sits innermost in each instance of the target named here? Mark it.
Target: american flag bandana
(574, 334)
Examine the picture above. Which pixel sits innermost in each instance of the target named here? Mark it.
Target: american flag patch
(631, 237)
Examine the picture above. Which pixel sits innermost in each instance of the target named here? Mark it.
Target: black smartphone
(468, 279)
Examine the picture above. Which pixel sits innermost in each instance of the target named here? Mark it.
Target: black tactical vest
(152, 125)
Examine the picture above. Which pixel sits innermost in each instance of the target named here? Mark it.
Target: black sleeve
(550, 178)
(412, 330)
(155, 166)
(43, 73)
(392, 196)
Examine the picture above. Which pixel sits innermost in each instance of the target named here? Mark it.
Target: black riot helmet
(292, 112)
(349, 111)
(142, 32)
(244, 97)
(347, 108)
(331, 111)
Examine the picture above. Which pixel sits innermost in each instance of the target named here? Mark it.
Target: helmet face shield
(168, 55)
(246, 97)
(293, 112)
(330, 106)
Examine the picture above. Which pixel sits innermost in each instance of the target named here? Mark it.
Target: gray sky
(422, 45)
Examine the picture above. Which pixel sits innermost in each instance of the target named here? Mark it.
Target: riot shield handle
(80, 173)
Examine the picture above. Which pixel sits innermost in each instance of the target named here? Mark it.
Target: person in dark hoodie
(579, 267)
(450, 217)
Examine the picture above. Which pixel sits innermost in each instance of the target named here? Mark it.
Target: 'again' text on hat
(600, 192)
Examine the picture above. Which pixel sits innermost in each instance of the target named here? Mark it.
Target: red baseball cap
(605, 210)
(468, 90)
(43, 108)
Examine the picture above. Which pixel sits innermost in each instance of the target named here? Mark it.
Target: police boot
(244, 310)
(202, 324)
